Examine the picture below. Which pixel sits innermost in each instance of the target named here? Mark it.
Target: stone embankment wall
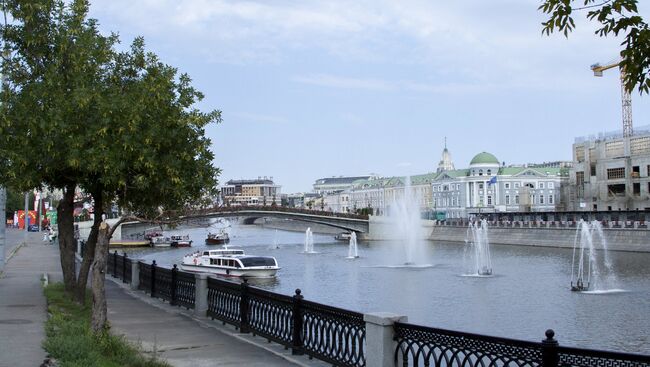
(618, 239)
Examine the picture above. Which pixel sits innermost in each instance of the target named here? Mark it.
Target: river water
(528, 293)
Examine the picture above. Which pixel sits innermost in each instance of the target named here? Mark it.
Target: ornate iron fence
(333, 334)
(163, 288)
(127, 272)
(270, 315)
(184, 289)
(224, 300)
(576, 357)
(424, 346)
(145, 283)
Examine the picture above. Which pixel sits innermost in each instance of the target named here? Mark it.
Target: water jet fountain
(479, 247)
(352, 248)
(407, 216)
(586, 271)
(309, 241)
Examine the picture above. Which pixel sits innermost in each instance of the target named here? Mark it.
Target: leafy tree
(121, 126)
(615, 17)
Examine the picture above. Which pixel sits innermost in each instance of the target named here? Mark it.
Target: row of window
(507, 185)
(534, 199)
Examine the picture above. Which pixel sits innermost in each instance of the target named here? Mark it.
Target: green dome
(484, 158)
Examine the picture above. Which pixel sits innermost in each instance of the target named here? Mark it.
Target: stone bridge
(345, 222)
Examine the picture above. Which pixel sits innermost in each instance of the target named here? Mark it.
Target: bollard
(115, 264)
(200, 294)
(135, 274)
(124, 267)
(297, 339)
(172, 291)
(550, 357)
(152, 285)
(380, 342)
(244, 326)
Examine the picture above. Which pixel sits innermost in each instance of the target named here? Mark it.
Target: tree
(121, 126)
(616, 17)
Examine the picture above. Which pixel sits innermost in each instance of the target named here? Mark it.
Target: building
(262, 192)
(611, 172)
(487, 186)
(331, 185)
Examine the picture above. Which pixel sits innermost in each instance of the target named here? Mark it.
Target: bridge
(346, 222)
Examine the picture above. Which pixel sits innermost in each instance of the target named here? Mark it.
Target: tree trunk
(65, 225)
(89, 255)
(98, 320)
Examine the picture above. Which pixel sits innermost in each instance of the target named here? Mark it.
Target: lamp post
(3, 225)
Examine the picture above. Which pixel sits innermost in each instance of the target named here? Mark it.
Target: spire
(446, 163)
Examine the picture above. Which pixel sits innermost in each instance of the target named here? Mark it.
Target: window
(480, 186)
(507, 185)
(636, 189)
(551, 185)
(516, 199)
(593, 169)
(541, 199)
(489, 172)
(507, 199)
(516, 185)
(616, 190)
(636, 171)
(480, 172)
(445, 188)
(580, 178)
(613, 173)
(489, 200)
(550, 199)
(540, 185)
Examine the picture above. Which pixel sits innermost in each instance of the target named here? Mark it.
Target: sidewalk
(22, 304)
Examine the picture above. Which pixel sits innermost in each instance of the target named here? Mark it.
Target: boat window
(258, 261)
(237, 264)
(206, 253)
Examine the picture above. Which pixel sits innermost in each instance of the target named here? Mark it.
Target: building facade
(611, 172)
(488, 187)
(260, 192)
(331, 185)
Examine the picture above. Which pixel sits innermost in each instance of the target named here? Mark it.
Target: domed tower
(484, 164)
(445, 163)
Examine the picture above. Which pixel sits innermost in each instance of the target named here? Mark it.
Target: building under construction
(611, 171)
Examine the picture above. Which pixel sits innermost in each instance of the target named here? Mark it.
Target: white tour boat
(230, 262)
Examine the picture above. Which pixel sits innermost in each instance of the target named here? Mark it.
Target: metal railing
(424, 346)
(338, 336)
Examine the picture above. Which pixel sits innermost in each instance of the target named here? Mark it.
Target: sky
(313, 89)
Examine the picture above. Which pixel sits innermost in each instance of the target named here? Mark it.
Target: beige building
(262, 192)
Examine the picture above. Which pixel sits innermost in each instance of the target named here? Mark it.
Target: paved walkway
(22, 303)
(170, 333)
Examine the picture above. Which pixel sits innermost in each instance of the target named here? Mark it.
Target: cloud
(334, 81)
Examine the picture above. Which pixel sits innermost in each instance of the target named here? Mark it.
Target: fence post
(152, 286)
(172, 301)
(200, 294)
(243, 308)
(296, 340)
(380, 343)
(124, 257)
(550, 357)
(135, 274)
(115, 264)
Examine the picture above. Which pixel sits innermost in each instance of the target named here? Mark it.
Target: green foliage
(118, 124)
(616, 17)
(70, 340)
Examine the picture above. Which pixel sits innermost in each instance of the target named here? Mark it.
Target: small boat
(230, 262)
(579, 286)
(181, 241)
(217, 238)
(160, 241)
(128, 243)
(343, 236)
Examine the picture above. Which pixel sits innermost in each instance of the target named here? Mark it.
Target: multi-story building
(261, 191)
(611, 172)
(331, 185)
(487, 186)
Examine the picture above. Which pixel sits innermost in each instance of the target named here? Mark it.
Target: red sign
(21, 218)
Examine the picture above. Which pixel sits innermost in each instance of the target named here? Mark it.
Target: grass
(71, 342)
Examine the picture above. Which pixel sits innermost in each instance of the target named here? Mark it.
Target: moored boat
(181, 241)
(217, 238)
(343, 236)
(160, 241)
(230, 262)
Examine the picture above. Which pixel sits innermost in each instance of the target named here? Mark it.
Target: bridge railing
(236, 208)
(347, 338)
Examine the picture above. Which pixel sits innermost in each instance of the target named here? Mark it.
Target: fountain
(481, 263)
(309, 241)
(275, 244)
(352, 249)
(586, 270)
(406, 213)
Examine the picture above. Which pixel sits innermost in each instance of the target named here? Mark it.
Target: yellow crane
(626, 98)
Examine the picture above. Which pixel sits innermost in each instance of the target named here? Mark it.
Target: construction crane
(625, 94)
